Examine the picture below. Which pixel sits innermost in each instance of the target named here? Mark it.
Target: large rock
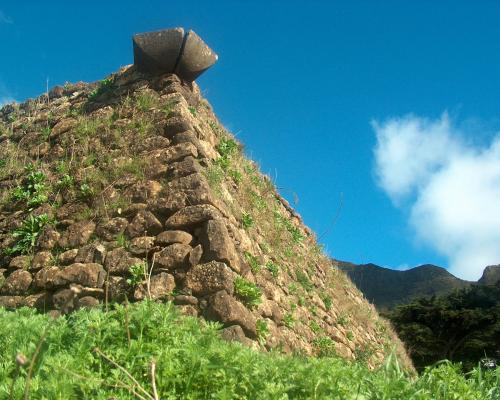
(225, 308)
(42, 259)
(195, 181)
(173, 256)
(91, 253)
(171, 237)
(17, 283)
(143, 191)
(159, 160)
(218, 245)
(90, 274)
(117, 288)
(161, 287)
(20, 262)
(42, 301)
(142, 245)
(11, 302)
(144, 224)
(187, 166)
(192, 215)
(169, 204)
(175, 125)
(119, 261)
(47, 278)
(77, 234)
(157, 52)
(234, 333)
(196, 58)
(209, 278)
(110, 229)
(48, 238)
(64, 300)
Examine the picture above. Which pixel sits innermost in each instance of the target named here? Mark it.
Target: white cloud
(5, 19)
(452, 189)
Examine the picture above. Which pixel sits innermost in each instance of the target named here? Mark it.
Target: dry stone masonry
(130, 189)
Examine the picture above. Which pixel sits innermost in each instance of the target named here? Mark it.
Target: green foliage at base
(96, 355)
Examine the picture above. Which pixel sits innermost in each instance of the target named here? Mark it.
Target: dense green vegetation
(148, 351)
(463, 326)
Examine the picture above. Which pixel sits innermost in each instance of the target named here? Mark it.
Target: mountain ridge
(386, 287)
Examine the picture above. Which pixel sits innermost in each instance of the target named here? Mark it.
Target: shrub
(103, 86)
(27, 234)
(138, 273)
(288, 320)
(247, 220)
(248, 292)
(33, 191)
(272, 268)
(303, 279)
(253, 262)
(262, 330)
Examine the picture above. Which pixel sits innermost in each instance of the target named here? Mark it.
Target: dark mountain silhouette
(387, 288)
(491, 275)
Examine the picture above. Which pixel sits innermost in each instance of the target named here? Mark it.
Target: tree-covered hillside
(463, 326)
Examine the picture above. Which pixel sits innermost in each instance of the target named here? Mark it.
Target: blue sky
(333, 99)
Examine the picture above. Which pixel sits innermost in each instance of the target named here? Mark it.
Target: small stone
(234, 333)
(209, 278)
(183, 299)
(169, 204)
(87, 302)
(67, 257)
(64, 300)
(41, 301)
(140, 246)
(195, 255)
(11, 302)
(118, 288)
(175, 125)
(143, 191)
(144, 223)
(77, 234)
(172, 257)
(91, 253)
(17, 283)
(62, 126)
(119, 261)
(20, 262)
(161, 287)
(170, 237)
(188, 310)
(110, 229)
(42, 259)
(187, 166)
(48, 238)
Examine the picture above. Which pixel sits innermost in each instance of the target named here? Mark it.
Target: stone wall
(183, 217)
